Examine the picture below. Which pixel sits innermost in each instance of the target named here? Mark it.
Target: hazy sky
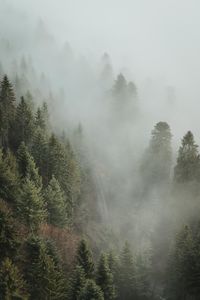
(153, 38)
(159, 37)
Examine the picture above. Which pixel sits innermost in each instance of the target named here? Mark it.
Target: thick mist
(70, 54)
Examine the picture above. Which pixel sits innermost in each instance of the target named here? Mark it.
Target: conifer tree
(76, 283)
(9, 241)
(27, 167)
(56, 206)
(24, 124)
(187, 168)
(91, 291)
(30, 205)
(104, 278)
(156, 164)
(127, 288)
(84, 259)
(42, 118)
(12, 285)
(39, 151)
(44, 278)
(7, 111)
(8, 177)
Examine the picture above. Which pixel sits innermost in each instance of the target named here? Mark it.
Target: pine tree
(142, 277)
(39, 151)
(156, 164)
(9, 241)
(76, 283)
(24, 125)
(127, 288)
(114, 266)
(27, 167)
(7, 111)
(188, 162)
(12, 285)
(54, 197)
(90, 291)
(42, 118)
(44, 278)
(8, 177)
(30, 205)
(84, 259)
(183, 280)
(105, 278)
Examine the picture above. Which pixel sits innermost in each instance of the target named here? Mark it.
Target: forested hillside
(99, 155)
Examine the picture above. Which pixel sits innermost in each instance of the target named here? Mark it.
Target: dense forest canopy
(99, 162)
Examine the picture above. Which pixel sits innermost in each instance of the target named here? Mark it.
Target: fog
(155, 44)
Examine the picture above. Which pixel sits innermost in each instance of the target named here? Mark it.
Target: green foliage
(7, 111)
(30, 205)
(24, 125)
(12, 285)
(8, 233)
(56, 206)
(84, 259)
(39, 151)
(156, 164)
(90, 291)
(184, 272)
(105, 278)
(187, 168)
(27, 167)
(76, 283)
(8, 177)
(127, 286)
(42, 118)
(62, 165)
(44, 277)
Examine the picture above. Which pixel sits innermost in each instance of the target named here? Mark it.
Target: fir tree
(187, 168)
(7, 111)
(156, 164)
(8, 177)
(127, 288)
(8, 233)
(30, 205)
(12, 285)
(84, 259)
(54, 197)
(39, 151)
(90, 291)
(105, 278)
(76, 283)
(24, 125)
(27, 167)
(45, 279)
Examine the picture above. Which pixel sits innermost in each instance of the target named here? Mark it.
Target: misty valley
(99, 153)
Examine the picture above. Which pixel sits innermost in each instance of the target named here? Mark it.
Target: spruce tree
(30, 205)
(127, 287)
(104, 278)
(76, 283)
(84, 259)
(27, 167)
(9, 241)
(187, 168)
(55, 200)
(45, 279)
(12, 285)
(8, 177)
(39, 151)
(24, 125)
(91, 291)
(7, 111)
(156, 163)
